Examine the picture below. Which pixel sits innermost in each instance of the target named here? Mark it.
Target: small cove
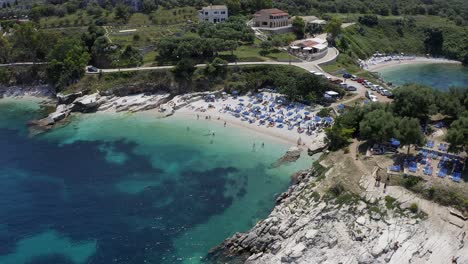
(440, 76)
(121, 188)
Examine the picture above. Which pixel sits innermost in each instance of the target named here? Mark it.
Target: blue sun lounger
(395, 168)
(456, 176)
(413, 166)
(442, 173)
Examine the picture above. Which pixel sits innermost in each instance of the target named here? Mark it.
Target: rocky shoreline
(83, 102)
(304, 228)
(45, 91)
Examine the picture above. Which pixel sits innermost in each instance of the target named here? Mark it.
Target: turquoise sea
(439, 76)
(129, 188)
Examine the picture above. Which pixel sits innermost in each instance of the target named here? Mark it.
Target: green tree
(434, 41)
(149, 6)
(234, 7)
(409, 132)
(457, 135)
(338, 136)
(68, 60)
(101, 52)
(414, 100)
(378, 125)
(122, 13)
(298, 25)
(184, 69)
(130, 57)
(5, 49)
(265, 47)
(333, 28)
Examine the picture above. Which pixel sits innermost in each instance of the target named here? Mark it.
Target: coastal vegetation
(295, 83)
(412, 108)
(414, 35)
(410, 117)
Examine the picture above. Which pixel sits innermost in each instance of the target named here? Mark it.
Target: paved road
(21, 64)
(306, 65)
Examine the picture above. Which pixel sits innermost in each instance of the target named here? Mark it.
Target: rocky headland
(339, 227)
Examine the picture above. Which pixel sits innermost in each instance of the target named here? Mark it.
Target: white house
(213, 14)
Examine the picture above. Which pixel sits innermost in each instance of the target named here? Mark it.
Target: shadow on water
(93, 209)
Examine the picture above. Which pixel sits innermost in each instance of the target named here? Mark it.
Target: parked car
(347, 76)
(354, 77)
(343, 85)
(350, 88)
(360, 80)
(92, 69)
(380, 90)
(373, 98)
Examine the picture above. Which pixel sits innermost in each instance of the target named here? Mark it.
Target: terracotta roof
(271, 11)
(309, 43)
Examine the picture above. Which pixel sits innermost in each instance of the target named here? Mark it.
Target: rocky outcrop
(304, 228)
(89, 103)
(37, 90)
(293, 154)
(69, 98)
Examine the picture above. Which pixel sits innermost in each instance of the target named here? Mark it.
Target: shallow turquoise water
(440, 76)
(120, 188)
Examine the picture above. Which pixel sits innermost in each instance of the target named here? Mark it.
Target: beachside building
(213, 14)
(309, 49)
(271, 18)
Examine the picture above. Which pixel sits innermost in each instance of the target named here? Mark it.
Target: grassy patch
(455, 196)
(390, 202)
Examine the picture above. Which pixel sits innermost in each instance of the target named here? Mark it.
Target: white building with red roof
(271, 18)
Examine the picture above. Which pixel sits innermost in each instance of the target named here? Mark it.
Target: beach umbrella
(271, 119)
(317, 119)
(306, 113)
(395, 142)
(328, 119)
(240, 99)
(235, 92)
(272, 105)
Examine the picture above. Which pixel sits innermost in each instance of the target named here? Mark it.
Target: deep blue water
(439, 76)
(126, 189)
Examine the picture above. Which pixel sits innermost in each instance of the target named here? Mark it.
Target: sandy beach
(313, 141)
(376, 64)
